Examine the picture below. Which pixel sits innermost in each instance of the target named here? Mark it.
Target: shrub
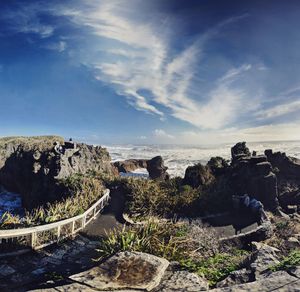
(216, 267)
(84, 191)
(282, 232)
(196, 248)
(292, 260)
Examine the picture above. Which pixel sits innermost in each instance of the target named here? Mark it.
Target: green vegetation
(282, 232)
(290, 261)
(196, 248)
(148, 198)
(34, 142)
(216, 267)
(84, 191)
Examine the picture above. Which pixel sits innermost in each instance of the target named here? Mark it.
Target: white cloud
(44, 31)
(26, 19)
(272, 132)
(279, 110)
(159, 133)
(142, 137)
(142, 60)
(59, 46)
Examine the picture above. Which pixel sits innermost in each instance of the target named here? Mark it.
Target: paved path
(57, 262)
(111, 218)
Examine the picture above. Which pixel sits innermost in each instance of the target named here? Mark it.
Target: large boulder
(240, 150)
(254, 176)
(198, 175)
(156, 169)
(125, 270)
(33, 166)
(263, 257)
(130, 165)
(289, 167)
(288, 174)
(218, 165)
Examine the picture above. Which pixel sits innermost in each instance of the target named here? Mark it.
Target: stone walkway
(58, 262)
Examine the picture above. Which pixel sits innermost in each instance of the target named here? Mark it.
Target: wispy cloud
(26, 19)
(58, 46)
(142, 61)
(279, 110)
(270, 132)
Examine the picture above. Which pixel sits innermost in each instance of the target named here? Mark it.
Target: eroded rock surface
(31, 166)
(132, 270)
(155, 167)
(198, 175)
(182, 281)
(130, 165)
(277, 281)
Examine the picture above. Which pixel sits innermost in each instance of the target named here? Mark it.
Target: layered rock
(133, 270)
(155, 167)
(254, 176)
(130, 165)
(218, 165)
(239, 150)
(198, 175)
(288, 174)
(33, 166)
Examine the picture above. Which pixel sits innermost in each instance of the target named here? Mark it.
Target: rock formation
(130, 165)
(272, 178)
(218, 165)
(239, 151)
(254, 176)
(155, 167)
(198, 175)
(32, 166)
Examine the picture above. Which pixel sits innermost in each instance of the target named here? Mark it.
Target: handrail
(33, 231)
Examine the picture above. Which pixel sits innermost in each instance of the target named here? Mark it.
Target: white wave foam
(178, 158)
(10, 202)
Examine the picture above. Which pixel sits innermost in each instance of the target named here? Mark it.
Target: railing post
(32, 233)
(58, 233)
(83, 221)
(73, 227)
(33, 240)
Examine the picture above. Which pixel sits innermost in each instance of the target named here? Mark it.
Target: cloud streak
(142, 61)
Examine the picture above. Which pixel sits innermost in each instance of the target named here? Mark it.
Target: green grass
(34, 142)
(290, 261)
(196, 248)
(84, 191)
(217, 267)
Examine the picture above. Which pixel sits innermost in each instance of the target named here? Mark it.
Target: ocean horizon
(178, 157)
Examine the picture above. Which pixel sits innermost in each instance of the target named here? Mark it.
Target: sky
(148, 72)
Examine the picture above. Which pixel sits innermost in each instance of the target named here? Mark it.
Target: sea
(176, 157)
(9, 202)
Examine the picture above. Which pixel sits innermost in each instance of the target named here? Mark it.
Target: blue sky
(171, 71)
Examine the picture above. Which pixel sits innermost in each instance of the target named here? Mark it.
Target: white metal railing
(43, 235)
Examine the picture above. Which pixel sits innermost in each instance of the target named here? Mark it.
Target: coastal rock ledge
(33, 166)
